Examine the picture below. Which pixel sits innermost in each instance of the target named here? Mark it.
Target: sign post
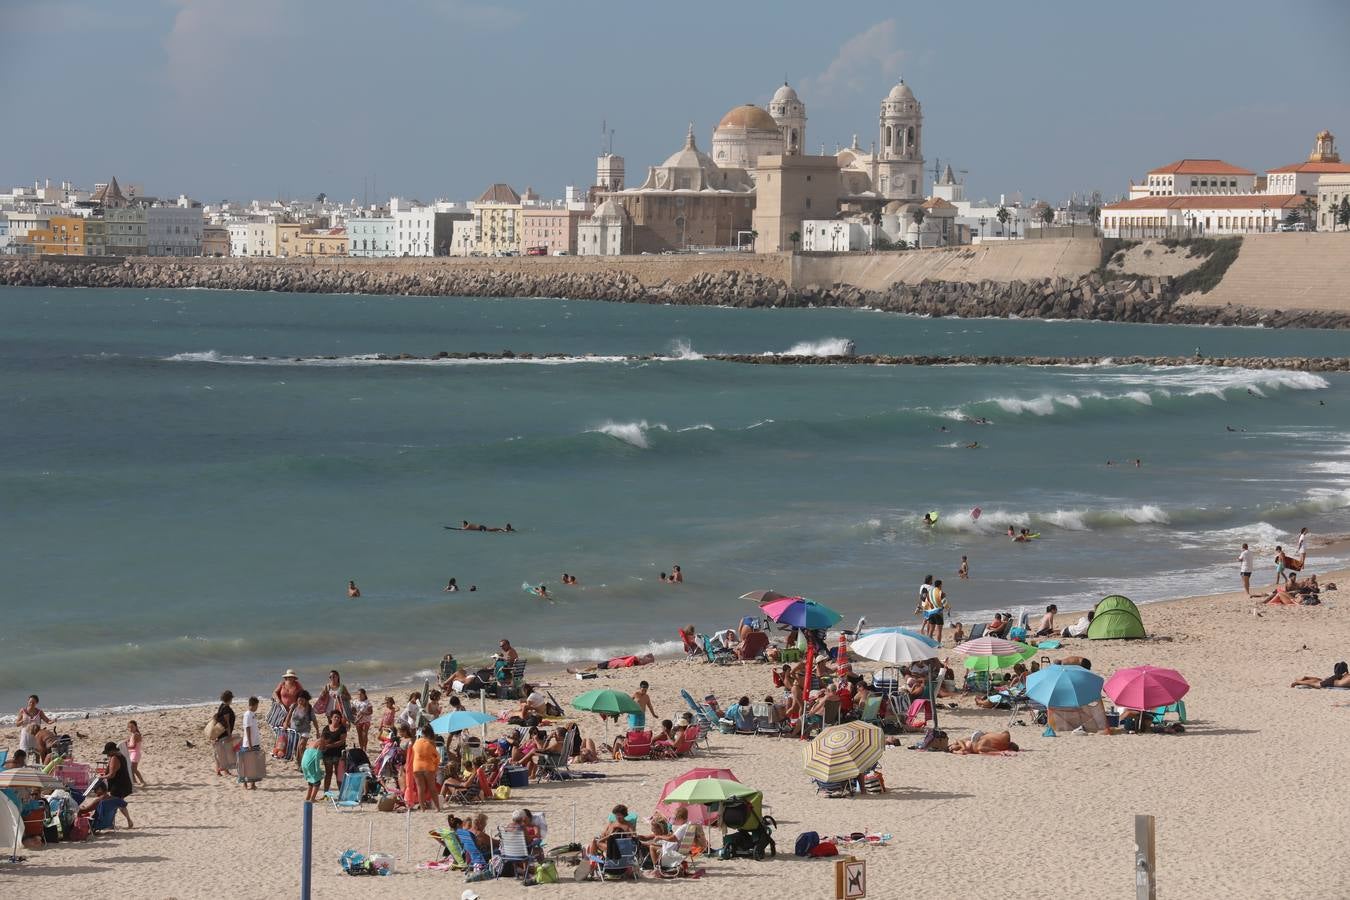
(850, 878)
(1145, 860)
(306, 826)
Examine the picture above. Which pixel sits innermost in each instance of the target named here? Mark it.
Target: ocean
(181, 516)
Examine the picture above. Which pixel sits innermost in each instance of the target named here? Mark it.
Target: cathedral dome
(900, 92)
(688, 156)
(749, 116)
(784, 94)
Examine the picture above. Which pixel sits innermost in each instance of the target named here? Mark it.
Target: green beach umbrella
(606, 702)
(708, 790)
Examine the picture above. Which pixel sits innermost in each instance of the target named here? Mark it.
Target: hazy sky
(235, 99)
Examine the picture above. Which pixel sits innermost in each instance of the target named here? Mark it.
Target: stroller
(354, 759)
(753, 834)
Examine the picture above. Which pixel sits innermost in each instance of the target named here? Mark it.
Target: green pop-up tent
(1116, 618)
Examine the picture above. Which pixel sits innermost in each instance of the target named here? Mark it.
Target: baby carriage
(753, 834)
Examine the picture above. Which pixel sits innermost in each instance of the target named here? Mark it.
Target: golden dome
(1325, 135)
(748, 116)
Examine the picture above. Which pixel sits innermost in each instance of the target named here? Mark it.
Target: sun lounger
(349, 796)
(716, 655)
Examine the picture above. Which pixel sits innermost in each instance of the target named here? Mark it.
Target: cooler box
(516, 777)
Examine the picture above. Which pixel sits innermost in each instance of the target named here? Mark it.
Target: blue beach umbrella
(1064, 687)
(800, 612)
(460, 720)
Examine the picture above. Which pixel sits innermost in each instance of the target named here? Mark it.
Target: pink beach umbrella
(697, 814)
(1145, 687)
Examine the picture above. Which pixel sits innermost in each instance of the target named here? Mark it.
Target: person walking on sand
(134, 742)
(304, 723)
(924, 590)
(1279, 566)
(963, 570)
(30, 715)
(252, 740)
(1244, 561)
(1302, 549)
(352, 590)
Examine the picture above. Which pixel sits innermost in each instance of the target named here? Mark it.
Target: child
(964, 570)
(311, 765)
(387, 719)
(362, 713)
(134, 741)
(252, 739)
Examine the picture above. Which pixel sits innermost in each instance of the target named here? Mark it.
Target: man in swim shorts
(618, 662)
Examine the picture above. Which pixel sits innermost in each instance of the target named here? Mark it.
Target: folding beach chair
(353, 789)
(477, 862)
(619, 860)
(716, 655)
(513, 849)
(637, 745)
(449, 844)
(766, 719)
(706, 720)
(555, 768)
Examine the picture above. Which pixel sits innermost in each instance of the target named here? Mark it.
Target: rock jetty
(1093, 296)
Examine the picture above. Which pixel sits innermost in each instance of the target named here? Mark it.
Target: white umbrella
(893, 648)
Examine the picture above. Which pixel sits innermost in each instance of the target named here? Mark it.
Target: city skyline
(256, 98)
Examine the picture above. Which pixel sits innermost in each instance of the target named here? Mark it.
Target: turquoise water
(181, 517)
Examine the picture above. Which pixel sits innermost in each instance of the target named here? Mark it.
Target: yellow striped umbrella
(842, 752)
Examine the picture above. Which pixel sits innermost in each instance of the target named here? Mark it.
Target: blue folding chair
(353, 789)
(476, 859)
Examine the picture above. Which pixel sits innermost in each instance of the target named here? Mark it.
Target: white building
(1302, 178)
(1197, 215)
(463, 237)
(606, 233)
(173, 230)
(834, 236)
(372, 236)
(238, 238)
(1196, 176)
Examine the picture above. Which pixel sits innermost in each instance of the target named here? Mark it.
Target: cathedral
(757, 183)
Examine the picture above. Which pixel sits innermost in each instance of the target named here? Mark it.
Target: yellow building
(329, 242)
(284, 235)
(497, 219)
(69, 236)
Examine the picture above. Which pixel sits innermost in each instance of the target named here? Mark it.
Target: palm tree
(795, 237)
(1047, 215)
(1343, 212)
(1003, 216)
(1310, 210)
(919, 216)
(876, 225)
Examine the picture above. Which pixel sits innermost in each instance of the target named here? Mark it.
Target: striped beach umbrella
(799, 612)
(843, 752)
(27, 777)
(988, 654)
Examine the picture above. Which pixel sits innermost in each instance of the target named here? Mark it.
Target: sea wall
(1003, 261)
(730, 280)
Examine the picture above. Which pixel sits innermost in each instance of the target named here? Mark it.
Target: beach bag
(874, 783)
(354, 863)
(80, 830)
(502, 792)
(214, 730)
(545, 872)
(320, 706)
(824, 848)
(806, 842)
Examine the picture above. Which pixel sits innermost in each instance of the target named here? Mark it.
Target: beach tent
(1116, 618)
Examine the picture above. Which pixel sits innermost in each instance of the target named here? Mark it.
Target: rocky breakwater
(1145, 300)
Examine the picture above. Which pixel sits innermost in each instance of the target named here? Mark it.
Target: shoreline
(552, 674)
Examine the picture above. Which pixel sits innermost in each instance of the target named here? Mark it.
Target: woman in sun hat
(287, 690)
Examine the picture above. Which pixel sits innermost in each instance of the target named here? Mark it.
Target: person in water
(542, 591)
(352, 590)
(676, 575)
(451, 586)
(929, 519)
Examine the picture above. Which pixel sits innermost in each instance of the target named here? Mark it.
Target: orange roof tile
(1212, 201)
(1316, 168)
(1201, 167)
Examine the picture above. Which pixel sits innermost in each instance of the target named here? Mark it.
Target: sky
(426, 99)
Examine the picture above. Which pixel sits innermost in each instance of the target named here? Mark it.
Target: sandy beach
(1244, 799)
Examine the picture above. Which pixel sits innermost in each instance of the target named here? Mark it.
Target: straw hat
(289, 673)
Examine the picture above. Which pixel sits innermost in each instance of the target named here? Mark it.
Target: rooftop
(1212, 201)
(1201, 167)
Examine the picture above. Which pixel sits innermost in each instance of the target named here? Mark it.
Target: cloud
(862, 61)
(219, 46)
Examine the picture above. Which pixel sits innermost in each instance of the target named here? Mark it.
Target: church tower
(789, 112)
(1324, 150)
(899, 161)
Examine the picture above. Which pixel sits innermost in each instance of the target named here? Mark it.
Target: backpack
(806, 842)
(825, 848)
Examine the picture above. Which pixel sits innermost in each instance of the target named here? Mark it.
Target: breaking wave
(831, 346)
(631, 433)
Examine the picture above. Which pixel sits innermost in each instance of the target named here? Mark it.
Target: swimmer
(1137, 464)
(451, 587)
(973, 445)
(665, 579)
(963, 571)
(472, 588)
(929, 520)
(541, 591)
(352, 590)
(676, 575)
(1011, 532)
(943, 428)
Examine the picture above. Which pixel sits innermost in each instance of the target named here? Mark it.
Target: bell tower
(899, 161)
(789, 112)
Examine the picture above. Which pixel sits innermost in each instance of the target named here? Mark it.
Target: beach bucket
(381, 863)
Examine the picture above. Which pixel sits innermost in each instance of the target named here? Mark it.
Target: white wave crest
(374, 359)
(682, 349)
(831, 346)
(632, 433)
(702, 426)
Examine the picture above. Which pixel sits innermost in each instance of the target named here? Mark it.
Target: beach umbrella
(29, 778)
(460, 720)
(708, 791)
(1145, 687)
(901, 629)
(844, 752)
(606, 702)
(800, 612)
(762, 597)
(896, 648)
(1064, 687)
(842, 666)
(988, 654)
(698, 813)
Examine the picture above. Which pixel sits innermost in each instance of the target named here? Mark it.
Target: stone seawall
(738, 281)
